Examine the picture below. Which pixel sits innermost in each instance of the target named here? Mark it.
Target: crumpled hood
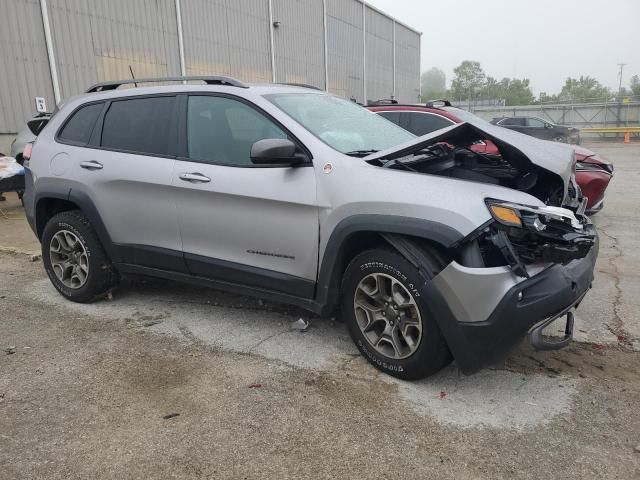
(520, 150)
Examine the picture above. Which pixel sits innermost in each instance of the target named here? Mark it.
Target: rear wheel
(74, 258)
(389, 319)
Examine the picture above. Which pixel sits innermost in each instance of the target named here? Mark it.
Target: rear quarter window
(77, 129)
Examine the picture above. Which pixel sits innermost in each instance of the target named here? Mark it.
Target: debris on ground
(300, 325)
(10, 350)
(170, 415)
(36, 257)
(151, 323)
(255, 385)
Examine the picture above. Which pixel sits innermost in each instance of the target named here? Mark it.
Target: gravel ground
(171, 381)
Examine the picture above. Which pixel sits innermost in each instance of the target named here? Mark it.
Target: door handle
(91, 165)
(194, 177)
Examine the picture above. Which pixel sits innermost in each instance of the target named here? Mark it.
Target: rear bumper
(527, 304)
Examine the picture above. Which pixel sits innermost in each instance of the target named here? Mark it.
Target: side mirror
(548, 125)
(274, 151)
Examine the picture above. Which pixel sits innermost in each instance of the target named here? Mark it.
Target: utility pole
(618, 120)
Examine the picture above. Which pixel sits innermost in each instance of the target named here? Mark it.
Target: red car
(593, 172)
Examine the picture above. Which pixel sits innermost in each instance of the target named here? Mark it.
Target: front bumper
(528, 303)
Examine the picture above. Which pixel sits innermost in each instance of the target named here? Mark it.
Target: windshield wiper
(361, 153)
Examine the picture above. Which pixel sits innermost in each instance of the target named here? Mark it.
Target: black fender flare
(88, 208)
(327, 291)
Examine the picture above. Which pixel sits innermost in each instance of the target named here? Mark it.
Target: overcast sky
(543, 40)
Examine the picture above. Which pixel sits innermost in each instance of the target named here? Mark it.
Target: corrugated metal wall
(217, 42)
(24, 67)
(407, 65)
(379, 55)
(299, 41)
(345, 46)
(97, 40)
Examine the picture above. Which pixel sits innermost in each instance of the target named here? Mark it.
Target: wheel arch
(48, 204)
(362, 232)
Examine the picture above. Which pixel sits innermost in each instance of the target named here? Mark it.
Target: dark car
(593, 172)
(540, 128)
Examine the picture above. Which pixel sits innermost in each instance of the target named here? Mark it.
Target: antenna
(133, 76)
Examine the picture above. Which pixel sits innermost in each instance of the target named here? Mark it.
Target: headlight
(517, 215)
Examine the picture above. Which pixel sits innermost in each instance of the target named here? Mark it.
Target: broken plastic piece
(301, 325)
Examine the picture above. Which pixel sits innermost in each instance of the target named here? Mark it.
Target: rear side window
(139, 125)
(421, 123)
(79, 127)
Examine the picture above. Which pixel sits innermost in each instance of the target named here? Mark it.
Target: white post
(420, 69)
(326, 49)
(183, 69)
(393, 95)
(364, 50)
(50, 53)
(273, 54)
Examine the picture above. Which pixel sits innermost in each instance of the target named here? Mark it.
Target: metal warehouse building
(57, 48)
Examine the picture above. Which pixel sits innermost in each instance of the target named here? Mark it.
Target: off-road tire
(432, 352)
(101, 277)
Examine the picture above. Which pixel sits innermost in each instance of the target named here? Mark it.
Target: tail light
(26, 153)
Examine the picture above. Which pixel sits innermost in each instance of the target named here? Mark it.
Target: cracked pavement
(91, 391)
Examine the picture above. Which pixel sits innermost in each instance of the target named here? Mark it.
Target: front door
(240, 222)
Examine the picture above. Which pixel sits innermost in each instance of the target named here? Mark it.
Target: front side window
(221, 130)
(78, 128)
(139, 125)
(535, 122)
(341, 124)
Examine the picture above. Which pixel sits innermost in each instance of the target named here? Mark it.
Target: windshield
(341, 124)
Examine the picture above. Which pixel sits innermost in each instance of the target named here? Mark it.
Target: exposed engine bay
(518, 235)
(462, 163)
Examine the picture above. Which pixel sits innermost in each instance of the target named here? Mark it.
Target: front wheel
(388, 316)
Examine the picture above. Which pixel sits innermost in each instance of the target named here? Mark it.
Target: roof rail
(382, 101)
(215, 80)
(432, 103)
(301, 85)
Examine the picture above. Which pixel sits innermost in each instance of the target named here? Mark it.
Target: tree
(635, 85)
(513, 91)
(583, 89)
(468, 81)
(433, 83)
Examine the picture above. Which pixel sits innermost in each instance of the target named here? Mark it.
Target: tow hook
(539, 342)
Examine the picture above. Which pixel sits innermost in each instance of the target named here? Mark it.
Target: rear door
(242, 223)
(519, 124)
(127, 173)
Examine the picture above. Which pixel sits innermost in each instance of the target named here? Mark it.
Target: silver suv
(431, 251)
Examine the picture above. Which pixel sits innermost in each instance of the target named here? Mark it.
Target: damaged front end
(518, 235)
(530, 262)
(521, 235)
